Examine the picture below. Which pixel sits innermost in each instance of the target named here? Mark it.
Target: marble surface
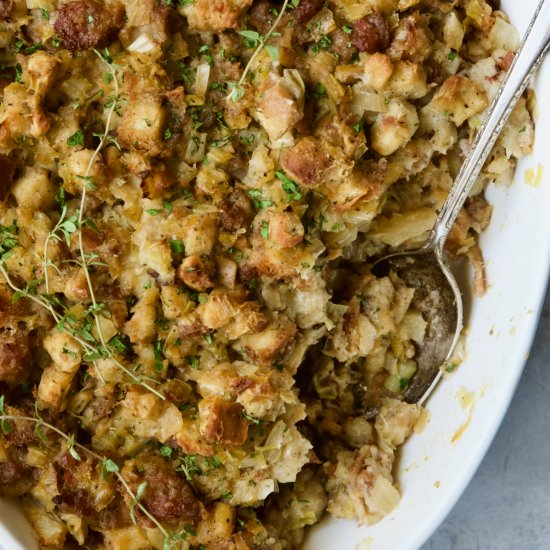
(507, 504)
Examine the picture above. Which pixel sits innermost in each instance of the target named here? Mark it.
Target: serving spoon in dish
(437, 295)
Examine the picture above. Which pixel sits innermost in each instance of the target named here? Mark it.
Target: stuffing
(394, 128)
(34, 190)
(459, 98)
(361, 485)
(197, 273)
(15, 356)
(222, 421)
(218, 16)
(142, 124)
(280, 103)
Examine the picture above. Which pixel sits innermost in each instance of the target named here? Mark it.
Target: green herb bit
(158, 355)
(194, 361)
(8, 240)
(118, 344)
(71, 445)
(251, 38)
(319, 91)
(273, 52)
(177, 246)
(76, 139)
(452, 55)
(166, 451)
(139, 495)
(251, 419)
(237, 91)
(189, 466)
(264, 231)
(108, 466)
(290, 187)
(256, 196)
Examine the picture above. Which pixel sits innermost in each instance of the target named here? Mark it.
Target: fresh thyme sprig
(105, 58)
(86, 340)
(237, 90)
(108, 465)
(65, 227)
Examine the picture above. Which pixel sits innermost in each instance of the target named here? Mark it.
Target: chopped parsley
(264, 230)
(76, 139)
(290, 187)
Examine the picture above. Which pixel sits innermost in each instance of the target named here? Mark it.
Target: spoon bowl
(437, 297)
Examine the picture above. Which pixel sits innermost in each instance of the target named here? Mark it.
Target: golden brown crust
(306, 162)
(217, 15)
(222, 421)
(197, 273)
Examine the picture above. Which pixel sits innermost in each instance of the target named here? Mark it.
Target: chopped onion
(201, 80)
(366, 100)
(142, 44)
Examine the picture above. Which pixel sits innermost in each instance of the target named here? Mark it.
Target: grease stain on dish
(365, 544)
(466, 400)
(422, 421)
(533, 177)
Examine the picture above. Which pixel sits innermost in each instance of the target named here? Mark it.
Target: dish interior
(465, 411)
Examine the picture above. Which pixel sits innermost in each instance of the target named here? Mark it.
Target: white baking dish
(469, 405)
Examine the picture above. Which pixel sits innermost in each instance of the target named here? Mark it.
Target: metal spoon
(437, 294)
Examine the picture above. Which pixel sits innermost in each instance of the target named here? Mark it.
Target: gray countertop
(507, 504)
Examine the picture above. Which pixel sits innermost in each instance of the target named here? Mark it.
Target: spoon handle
(527, 60)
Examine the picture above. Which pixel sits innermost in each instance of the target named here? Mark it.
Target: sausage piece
(371, 34)
(15, 356)
(306, 9)
(235, 212)
(167, 496)
(7, 171)
(84, 24)
(6, 8)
